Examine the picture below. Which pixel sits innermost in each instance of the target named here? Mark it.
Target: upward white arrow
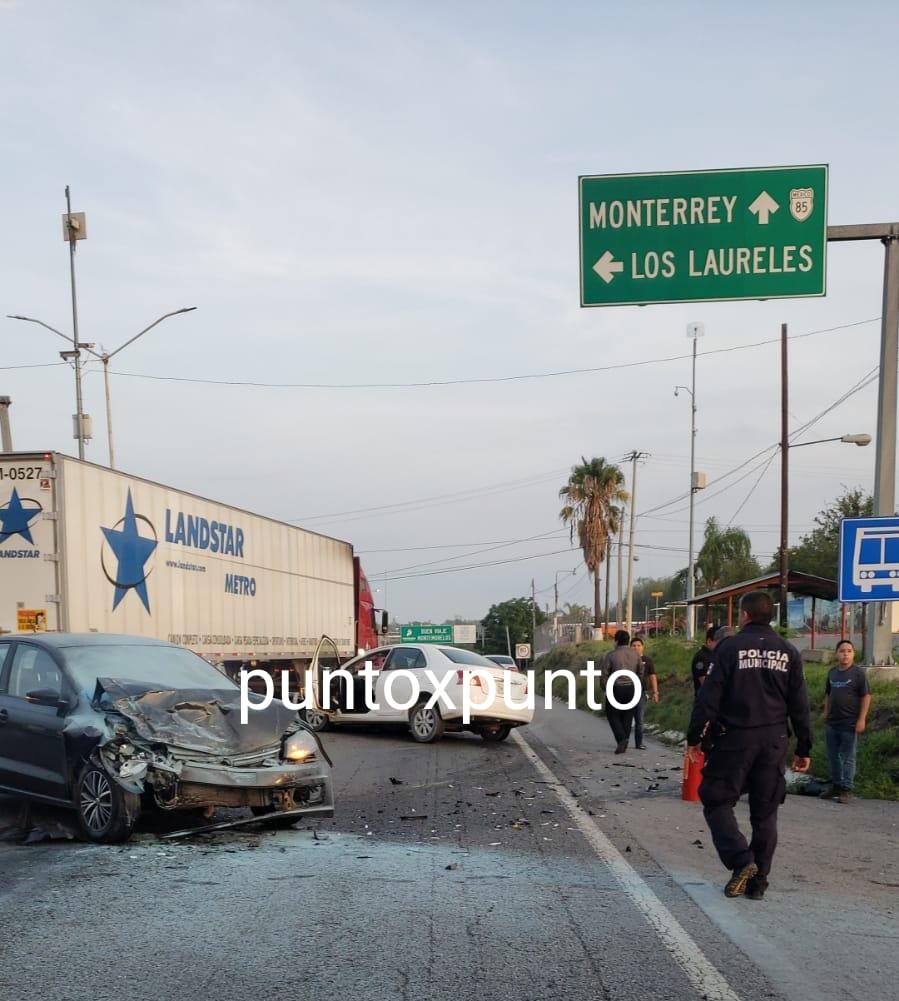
(607, 267)
(763, 207)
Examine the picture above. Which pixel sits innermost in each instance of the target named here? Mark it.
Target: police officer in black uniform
(755, 684)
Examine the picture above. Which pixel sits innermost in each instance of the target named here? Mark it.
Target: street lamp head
(856, 439)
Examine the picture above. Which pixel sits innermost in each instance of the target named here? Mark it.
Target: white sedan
(460, 676)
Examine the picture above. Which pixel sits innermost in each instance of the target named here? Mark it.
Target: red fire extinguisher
(692, 777)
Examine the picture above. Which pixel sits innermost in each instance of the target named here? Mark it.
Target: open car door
(325, 658)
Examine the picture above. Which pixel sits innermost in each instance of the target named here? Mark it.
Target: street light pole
(695, 331)
(105, 358)
(108, 411)
(72, 227)
(629, 607)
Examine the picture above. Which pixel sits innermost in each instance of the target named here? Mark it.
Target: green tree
(591, 494)
(644, 587)
(725, 557)
(517, 615)
(818, 552)
(578, 611)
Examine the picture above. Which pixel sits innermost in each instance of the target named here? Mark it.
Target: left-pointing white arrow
(607, 267)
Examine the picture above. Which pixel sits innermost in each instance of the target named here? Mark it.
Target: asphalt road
(484, 872)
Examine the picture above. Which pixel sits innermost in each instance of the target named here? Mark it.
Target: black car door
(32, 746)
(6, 771)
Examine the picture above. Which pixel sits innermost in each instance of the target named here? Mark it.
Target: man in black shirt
(702, 660)
(847, 698)
(623, 658)
(649, 680)
(754, 686)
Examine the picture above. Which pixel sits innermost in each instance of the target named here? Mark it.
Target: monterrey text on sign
(710, 235)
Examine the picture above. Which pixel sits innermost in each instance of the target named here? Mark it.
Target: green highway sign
(426, 634)
(701, 236)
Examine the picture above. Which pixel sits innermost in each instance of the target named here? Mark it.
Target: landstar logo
(131, 550)
(16, 517)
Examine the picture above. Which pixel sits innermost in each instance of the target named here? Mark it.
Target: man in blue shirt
(847, 698)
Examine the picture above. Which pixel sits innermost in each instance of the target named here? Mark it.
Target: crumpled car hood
(198, 720)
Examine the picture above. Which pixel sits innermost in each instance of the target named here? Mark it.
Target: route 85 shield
(801, 202)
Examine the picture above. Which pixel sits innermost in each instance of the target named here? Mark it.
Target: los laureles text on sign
(708, 210)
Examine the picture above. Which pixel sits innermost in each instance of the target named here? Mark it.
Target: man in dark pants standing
(623, 658)
(755, 684)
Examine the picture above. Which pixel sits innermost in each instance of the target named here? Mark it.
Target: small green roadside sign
(426, 634)
(703, 236)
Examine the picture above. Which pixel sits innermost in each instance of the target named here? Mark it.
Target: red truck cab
(371, 622)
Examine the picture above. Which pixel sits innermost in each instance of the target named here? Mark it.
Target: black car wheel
(496, 734)
(106, 812)
(314, 720)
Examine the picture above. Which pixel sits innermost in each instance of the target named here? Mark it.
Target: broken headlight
(300, 747)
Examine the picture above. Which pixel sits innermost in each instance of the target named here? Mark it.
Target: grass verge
(878, 751)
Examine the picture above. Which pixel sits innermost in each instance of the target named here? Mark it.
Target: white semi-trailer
(85, 548)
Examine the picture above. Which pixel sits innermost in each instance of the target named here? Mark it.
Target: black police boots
(736, 885)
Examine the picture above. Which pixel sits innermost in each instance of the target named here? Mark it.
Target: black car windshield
(166, 666)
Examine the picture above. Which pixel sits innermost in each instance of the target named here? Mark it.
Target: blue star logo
(15, 517)
(132, 550)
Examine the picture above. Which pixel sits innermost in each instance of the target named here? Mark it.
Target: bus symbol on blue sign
(869, 559)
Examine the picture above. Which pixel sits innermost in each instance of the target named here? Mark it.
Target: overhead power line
(522, 377)
(546, 536)
(436, 499)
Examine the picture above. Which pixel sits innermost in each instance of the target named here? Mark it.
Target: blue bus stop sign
(869, 559)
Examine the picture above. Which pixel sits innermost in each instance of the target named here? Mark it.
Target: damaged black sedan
(111, 725)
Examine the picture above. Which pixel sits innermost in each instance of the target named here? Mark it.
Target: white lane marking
(691, 959)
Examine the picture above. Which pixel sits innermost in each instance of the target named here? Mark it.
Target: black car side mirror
(47, 697)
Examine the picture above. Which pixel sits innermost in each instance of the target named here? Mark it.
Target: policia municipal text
(755, 683)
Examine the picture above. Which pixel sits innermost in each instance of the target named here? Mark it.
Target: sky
(362, 196)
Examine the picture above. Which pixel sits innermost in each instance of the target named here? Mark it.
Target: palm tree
(726, 557)
(591, 494)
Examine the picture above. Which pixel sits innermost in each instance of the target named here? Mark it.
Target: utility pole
(533, 622)
(74, 228)
(5, 435)
(633, 458)
(618, 608)
(784, 475)
(605, 630)
(694, 331)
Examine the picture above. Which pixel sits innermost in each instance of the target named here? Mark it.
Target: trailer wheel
(315, 720)
(106, 812)
(425, 723)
